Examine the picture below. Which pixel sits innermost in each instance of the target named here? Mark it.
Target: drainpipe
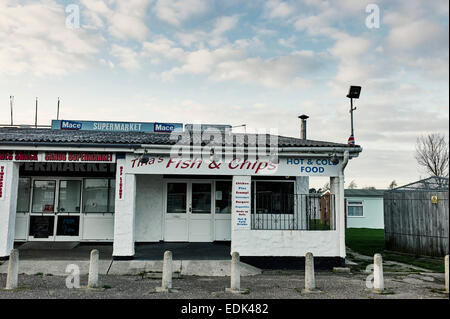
(345, 162)
(342, 251)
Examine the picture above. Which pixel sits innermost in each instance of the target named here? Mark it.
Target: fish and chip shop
(128, 183)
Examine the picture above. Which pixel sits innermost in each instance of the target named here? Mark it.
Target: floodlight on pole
(353, 93)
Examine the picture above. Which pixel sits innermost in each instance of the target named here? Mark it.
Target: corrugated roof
(39, 136)
(364, 192)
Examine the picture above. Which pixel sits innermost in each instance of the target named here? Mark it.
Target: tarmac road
(270, 284)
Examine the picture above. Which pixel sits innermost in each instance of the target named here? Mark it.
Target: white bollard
(93, 269)
(235, 272)
(378, 279)
(310, 281)
(446, 274)
(167, 271)
(12, 278)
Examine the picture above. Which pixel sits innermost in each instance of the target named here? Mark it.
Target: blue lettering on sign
(162, 127)
(70, 125)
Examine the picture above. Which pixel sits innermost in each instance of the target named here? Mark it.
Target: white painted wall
(8, 204)
(124, 216)
(373, 210)
(285, 243)
(149, 208)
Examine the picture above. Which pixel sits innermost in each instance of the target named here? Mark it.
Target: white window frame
(355, 203)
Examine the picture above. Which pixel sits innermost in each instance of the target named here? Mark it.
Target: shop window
(223, 197)
(176, 198)
(23, 196)
(69, 196)
(112, 195)
(98, 195)
(274, 197)
(355, 209)
(44, 196)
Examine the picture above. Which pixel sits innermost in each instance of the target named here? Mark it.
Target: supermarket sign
(103, 126)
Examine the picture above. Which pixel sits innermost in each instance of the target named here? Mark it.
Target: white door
(188, 215)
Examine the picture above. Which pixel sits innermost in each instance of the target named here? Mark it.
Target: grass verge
(368, 242)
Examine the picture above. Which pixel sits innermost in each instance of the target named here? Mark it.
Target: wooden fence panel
(413, 224)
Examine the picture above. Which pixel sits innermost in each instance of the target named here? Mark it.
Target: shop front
(131, 187)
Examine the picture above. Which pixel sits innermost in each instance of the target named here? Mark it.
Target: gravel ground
(270, 285)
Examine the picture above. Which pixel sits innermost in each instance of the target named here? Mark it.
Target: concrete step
(132, 267)
(183, 267)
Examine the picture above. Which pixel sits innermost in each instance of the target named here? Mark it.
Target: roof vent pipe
(303, 126)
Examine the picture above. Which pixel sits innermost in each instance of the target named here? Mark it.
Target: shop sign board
(69, 157)
(109, 126)
(292, 166)
(241, 202)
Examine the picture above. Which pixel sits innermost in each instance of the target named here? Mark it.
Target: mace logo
(162, 127)
(70, 125)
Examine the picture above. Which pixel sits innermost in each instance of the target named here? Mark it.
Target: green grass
(368, 242)
(364, 240)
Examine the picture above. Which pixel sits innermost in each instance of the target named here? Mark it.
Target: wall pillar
(9, 180)
(124, 215)
(337, 189)
(301, 188)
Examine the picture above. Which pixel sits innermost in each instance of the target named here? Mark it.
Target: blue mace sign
(72, 125)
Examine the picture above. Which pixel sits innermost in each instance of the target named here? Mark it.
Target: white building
(103, 185)
(364, 208)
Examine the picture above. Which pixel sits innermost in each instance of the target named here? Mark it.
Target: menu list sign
(241, 202)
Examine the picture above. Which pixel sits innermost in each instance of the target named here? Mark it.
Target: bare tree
(352, 185)
(432, 154)
(393, 184)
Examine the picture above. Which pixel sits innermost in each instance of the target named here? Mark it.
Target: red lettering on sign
(2, 180)
(6, 156)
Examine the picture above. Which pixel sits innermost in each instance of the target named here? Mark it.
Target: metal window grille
(278, 211)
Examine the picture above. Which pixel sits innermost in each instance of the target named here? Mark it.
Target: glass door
(55, 210)
(42, 217)
(68, 213)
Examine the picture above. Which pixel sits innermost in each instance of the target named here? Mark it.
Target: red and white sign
(241, 202)
(2, 181)
(71, 157)
(291, 166)
(120, 183)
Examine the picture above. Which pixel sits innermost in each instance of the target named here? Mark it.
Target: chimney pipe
(303, 126)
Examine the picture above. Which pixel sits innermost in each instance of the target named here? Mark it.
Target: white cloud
(278, 9)
(162, 48)
(34, 39)
(127, 57)
(175, 12)
(417, 39)
(123, 20)
(232, 64)
(289, 43)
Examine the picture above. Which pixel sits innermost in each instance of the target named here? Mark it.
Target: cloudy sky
(257, 62)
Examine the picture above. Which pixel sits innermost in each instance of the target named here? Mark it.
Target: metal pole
(351, 114)
(11, 101)
(57, 111)
(35, 115)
